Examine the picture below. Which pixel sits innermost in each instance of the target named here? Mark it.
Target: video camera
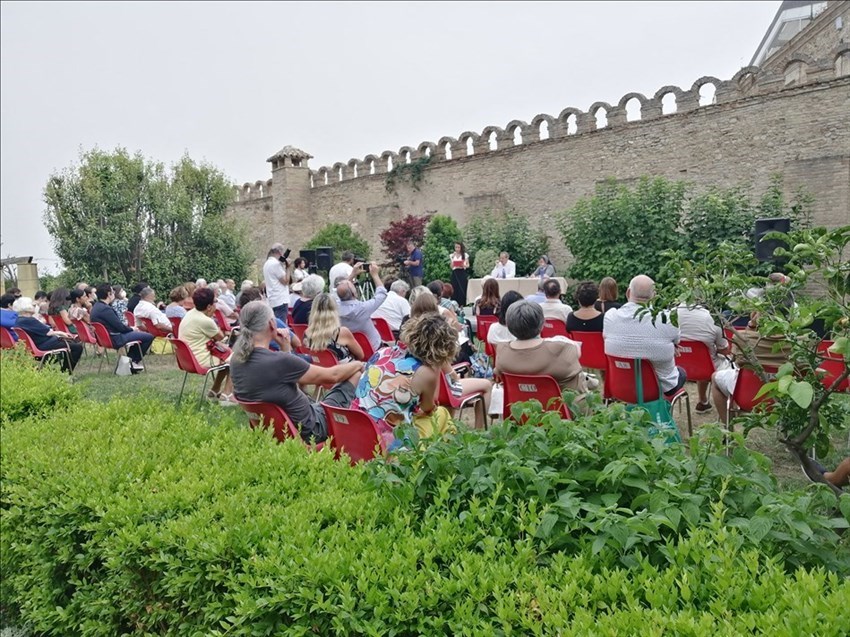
(366, 264)
(285, 258)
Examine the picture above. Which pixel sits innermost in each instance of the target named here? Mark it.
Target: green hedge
(133, 518)
(28, 391)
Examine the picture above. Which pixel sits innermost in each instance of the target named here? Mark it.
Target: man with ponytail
(262, 375)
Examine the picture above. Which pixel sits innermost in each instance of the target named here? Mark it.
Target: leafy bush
(484, 261)
(440, 236)
(508, 231)
(340, 237)
(395, 237)
(29, 391)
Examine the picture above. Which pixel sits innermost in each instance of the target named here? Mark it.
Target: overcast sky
(231, 83)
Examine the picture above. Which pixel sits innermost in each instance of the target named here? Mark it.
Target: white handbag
(123, 367)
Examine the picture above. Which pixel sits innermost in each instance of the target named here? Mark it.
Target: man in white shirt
(505, 268)
(341, 270)
(552, 306)
(632, 337)
(697, 324)
(276, 276)
(396, 306)
(145, 308)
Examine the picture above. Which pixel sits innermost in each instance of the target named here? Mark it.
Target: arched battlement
(407, 154)
(841, 61)
(524, 131)
(536, 124)
(260, 189)
(595, 118)
(643, 107)
(340, 172)
(744, 80)
(324, 176)
(579, 121)
(373, 165)
(449, 148)
(355, 168)
(428, 149)
(389, 159)
(471, 143)
(487, 136)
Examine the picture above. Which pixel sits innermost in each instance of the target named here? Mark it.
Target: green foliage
(485, 258)
(147, 520)
(506, 231)
(719, 215)
(123, 218)
(412, 172)
(340, 237)
(440, 236)
(28, 391)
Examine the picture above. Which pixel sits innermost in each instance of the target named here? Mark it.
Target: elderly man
(119, 333)
(630, 336)
(226, 292)
(505, 268)
(697, 324)
(146, 308)
(540, 295)
(276, 274)
(552, 306)
(340, 270)
(396, 307)
(311, 287)
(357, 315)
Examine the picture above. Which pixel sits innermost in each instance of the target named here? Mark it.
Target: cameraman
(277, 272)
(415, 267)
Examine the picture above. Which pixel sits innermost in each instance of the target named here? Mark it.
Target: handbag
(658, 410)
(123, 367)
(218, 350)
(479, 363)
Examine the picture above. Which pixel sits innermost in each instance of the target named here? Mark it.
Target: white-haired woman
(44, 337)
(311, 287)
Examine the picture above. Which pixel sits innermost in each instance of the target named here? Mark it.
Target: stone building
(788, 116)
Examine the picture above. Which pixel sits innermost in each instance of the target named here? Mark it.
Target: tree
(340, 237)
(440, 236)
(121, 218)
(395, 237)
(508, 231)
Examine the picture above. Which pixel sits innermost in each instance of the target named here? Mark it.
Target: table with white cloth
(525, 286)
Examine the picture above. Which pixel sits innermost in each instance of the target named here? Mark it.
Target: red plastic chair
(354, 433)
(222, 322)
(187, 362)
(363, 340)
(553, 327)
(747, 385)
(7, 341)
(175, 325)
(267, 415)
(41, 354)
(592, 349)
(102, 338)
(620, 384)
(833, 368)
(384, 329)
(446, 398)
(520, 388)
(695, 358)
(482, 326)
(299, 329)
(323, 358)
(86, 335)
(151, 328)
(59, 323)
(130, 318)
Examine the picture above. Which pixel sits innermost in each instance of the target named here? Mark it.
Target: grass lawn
(162, 381)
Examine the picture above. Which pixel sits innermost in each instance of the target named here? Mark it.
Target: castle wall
(820, 40)
(760, 125)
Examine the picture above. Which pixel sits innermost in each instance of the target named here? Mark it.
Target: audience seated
(540, 295)
(311, 287)
(552, 306)
(197, 329)
(180, 299)
(42, 300)
(396, 306)
(697, 324)
(357, 315)
(226, 295)
(228, 312)
(145, 308)
(8, 317)
(119, 304)
(261, 375)
(587, 318)
(78, 311)
(246, 284)
(530, 354)
(488, 303)
(134, 299)
(499, 332)
(629, 336)
(119, 333)
(608, 295)
(59, 305)
(44, 337)
(324, 331)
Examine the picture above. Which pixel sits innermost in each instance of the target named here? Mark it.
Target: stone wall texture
(791, 117)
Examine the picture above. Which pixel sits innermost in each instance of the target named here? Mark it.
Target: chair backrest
(445, 397)
(299, 329)
(7, 341)
(384, 329)
(84, 332)
(59, 323)
(130, 318)
(695, 358)
(151, 328)
(186, 360)
(175, 325)
(354, 432)
(482, 326)
(823, 350)
(270, 415)
(101, 335)
(323, 358)
(553, 327)
(592, 349)
(363, 340)
(221, 321)
(32, 348)
(520, 388)
(621, 384)
(747, 386)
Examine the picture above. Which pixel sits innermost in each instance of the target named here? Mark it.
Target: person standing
(415, 264)
(460, 264)
(276, 277)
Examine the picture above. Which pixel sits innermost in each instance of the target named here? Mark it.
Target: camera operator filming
(277, 273)
(414, 264)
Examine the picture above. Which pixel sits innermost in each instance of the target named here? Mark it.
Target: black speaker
(764, 249)
(310, 255)
(325, 258)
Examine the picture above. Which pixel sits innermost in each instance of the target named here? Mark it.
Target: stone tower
(290, 191)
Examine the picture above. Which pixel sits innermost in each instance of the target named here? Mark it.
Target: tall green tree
(340, 237)
(441, 234)
(117, 217)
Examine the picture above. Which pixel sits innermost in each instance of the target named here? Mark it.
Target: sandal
(213, 395)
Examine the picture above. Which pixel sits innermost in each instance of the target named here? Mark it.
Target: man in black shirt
(119, 333)
(133, 301)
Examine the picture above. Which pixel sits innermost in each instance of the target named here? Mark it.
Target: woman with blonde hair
(177, 307)
(324, 331)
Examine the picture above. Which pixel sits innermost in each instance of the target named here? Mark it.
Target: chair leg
(180, 397)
